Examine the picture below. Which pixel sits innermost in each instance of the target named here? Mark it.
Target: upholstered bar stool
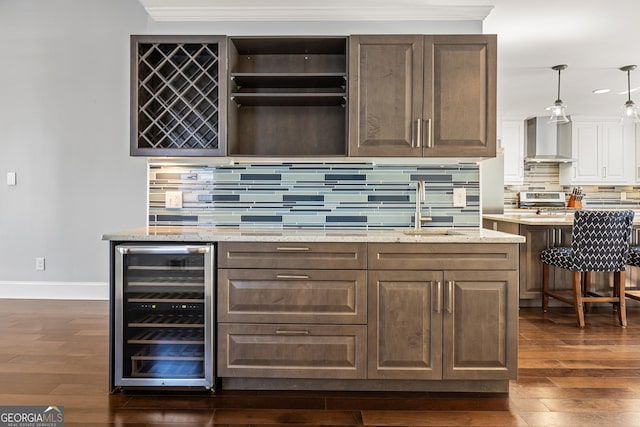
(633, 260)
(600, 242)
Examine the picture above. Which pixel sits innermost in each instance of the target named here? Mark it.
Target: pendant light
(558, 109)
(630, 108)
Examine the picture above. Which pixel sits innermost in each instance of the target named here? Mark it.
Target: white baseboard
(54, 290)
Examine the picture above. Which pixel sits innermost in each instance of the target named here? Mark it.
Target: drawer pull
(292, 332)
(291, 248)
(291, 276)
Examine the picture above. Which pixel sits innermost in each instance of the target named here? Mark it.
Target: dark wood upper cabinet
(178, 95)
(288, 96)
(372, 95)
(422, 95)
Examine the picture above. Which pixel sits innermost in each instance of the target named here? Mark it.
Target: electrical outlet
(40, 263)
(11, 178)
(623, 196)
(460, 197)
(173, 199)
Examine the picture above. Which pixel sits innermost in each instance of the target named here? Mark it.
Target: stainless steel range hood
(547, 142)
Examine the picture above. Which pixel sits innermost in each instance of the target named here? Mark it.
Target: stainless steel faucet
(420, 198)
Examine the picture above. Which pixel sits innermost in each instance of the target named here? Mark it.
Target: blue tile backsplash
(323, 194)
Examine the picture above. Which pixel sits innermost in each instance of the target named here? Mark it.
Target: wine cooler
(163, 316)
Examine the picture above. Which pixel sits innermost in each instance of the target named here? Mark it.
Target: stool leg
(545, 287)
(618, 284)
(587, 289)
(577, 297)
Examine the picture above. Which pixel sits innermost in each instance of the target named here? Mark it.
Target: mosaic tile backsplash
(347, 195)
(546, 177)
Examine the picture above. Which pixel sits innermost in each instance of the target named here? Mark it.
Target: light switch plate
(459, 197)
(173, 199)
(11, 178)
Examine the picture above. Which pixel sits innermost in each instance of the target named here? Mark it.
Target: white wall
(64, 129)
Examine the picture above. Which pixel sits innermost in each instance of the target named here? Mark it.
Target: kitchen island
(544, 230)
(355, 309)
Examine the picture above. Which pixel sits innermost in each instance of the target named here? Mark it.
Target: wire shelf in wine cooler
(167, 369)
(168, 336)
(166, 297)
(170, 352)
(167, 281)
(164, 268)
(167, 320)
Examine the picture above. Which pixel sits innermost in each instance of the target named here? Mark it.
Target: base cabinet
(290, 310)
(442, 325)
(382, 313)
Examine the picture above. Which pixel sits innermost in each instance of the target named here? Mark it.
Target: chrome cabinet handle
(291, 276)
(418, 133)
(449, 296)
(438, 296)
(292, 332)
(429, 133)
(291, 249)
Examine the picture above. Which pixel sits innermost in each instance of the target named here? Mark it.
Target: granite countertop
(532, 218)
(529, 217)
(245, 234)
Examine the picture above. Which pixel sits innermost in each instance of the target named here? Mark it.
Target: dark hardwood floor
(56, 353)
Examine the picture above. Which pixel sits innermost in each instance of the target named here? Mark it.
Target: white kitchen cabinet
(604, 150)
(512, 142)
(636, 138)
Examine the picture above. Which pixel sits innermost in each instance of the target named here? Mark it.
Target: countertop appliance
(541, 199)
(163, 316)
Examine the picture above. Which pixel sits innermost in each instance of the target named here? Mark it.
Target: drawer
(292, 296)
(412, 256)
(338, 256)
(292, 351)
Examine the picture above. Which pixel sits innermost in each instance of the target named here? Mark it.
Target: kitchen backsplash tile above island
(322, 194)
(546, 177)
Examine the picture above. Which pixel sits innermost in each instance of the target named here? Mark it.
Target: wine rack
(178, 84)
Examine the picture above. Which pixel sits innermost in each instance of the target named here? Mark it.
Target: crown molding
(310, 10)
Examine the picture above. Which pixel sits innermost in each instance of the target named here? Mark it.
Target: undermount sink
(432, 232)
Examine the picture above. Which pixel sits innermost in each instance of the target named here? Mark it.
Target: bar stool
(600, 242)
(634, 261)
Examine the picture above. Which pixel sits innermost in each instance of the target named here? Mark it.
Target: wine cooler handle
(163, 250)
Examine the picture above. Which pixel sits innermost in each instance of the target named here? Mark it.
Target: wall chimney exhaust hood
(547, 142)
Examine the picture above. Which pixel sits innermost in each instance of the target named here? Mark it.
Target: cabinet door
(460, 96)
(405, 325)
(178, 95)
(613, 153)
(512, 142)
(587, 148)
(480, 325)
(385, 93)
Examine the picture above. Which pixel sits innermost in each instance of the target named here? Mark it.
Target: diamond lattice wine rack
(176, 92)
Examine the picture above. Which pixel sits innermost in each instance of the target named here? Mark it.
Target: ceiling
(594, 38)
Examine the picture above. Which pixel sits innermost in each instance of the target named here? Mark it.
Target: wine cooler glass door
(164, 315)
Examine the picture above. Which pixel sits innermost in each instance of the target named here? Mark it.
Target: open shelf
(289, 99)
(287, 96)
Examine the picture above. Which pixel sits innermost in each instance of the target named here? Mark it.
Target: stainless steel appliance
(541, 199)
(163, 316)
